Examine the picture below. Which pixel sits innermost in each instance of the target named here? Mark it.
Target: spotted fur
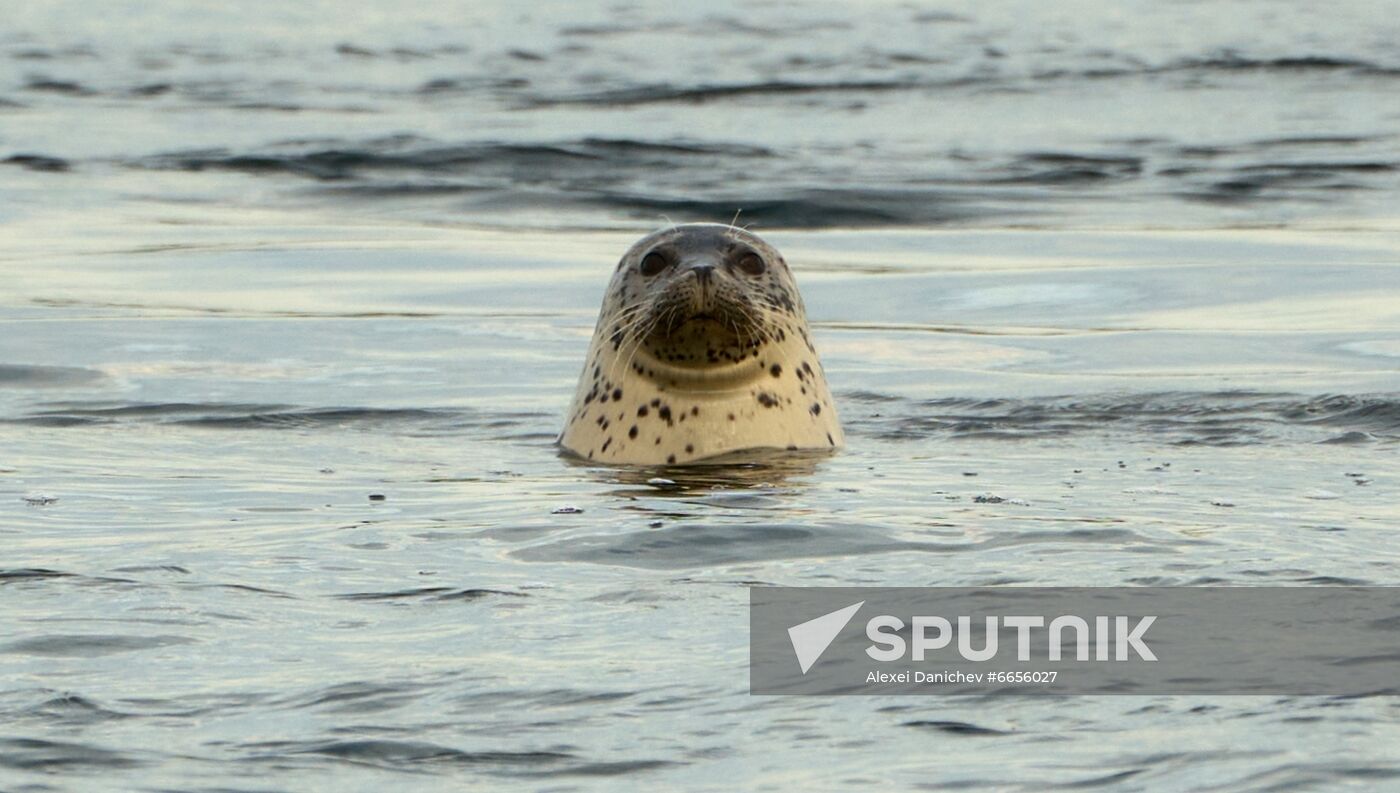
(701, 348)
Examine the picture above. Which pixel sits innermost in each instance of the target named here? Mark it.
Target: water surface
(295, 296)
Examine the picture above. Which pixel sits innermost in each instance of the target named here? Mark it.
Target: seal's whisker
(636, 320)
(609, 323)
(629, 318)
(633, 341)
(632, 354)
(635, 331)
(744, 331)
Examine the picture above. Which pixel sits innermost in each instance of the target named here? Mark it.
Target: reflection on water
(744, 470)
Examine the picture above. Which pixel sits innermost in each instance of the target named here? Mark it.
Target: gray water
(1108, 295)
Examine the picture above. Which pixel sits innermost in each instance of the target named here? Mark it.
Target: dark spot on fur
(671, 458)
(776, 370)
(690, 448)
(695, 410)
(816, 409)
(767, 400)
(632, 433)
(665, 413)
(607, 443)
(731, 416)
(617, 394)
(642, 412)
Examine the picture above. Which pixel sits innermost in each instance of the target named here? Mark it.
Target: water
(1107, 297)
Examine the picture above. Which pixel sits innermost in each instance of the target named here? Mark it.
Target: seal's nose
(704, 273)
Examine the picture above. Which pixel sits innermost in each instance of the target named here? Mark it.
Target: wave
(807, 208)
(425, 757)
(1055, 168)
(53, 757)
(1227, 418)
(709, 180)
(38, 162)
(65, 87)
(1234, 62)
(936, 77)
(706, 92)
(409, 153)
(431, 594)
(1221, 418)
(867, 71)
(237, 415)
(680, 546)
(29, 376)
(497, 425)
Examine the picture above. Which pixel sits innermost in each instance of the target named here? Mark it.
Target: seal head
(701, 348)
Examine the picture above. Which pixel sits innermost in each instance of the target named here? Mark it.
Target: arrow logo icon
(811, 638)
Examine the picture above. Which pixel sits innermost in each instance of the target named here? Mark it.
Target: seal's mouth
(713, 336)
(720, 322)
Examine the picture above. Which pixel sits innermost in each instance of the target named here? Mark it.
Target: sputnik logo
(811, 638)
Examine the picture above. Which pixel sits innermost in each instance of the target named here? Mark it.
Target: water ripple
(88, 645)
(1227, 418)
(33, 754)
(691, 545)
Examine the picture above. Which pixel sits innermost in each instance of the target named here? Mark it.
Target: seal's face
(701, 348)
(701, 296)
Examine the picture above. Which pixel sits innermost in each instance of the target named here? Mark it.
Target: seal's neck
(723, 376)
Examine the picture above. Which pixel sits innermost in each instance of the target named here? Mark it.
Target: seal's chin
(702, 340)
(698, 330)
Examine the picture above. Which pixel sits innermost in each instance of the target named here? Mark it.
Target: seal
(701, 348)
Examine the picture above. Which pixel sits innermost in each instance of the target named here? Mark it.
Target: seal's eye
(752, 264)
(653, 263)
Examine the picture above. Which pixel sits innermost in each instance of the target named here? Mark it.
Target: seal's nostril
(704, 272)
